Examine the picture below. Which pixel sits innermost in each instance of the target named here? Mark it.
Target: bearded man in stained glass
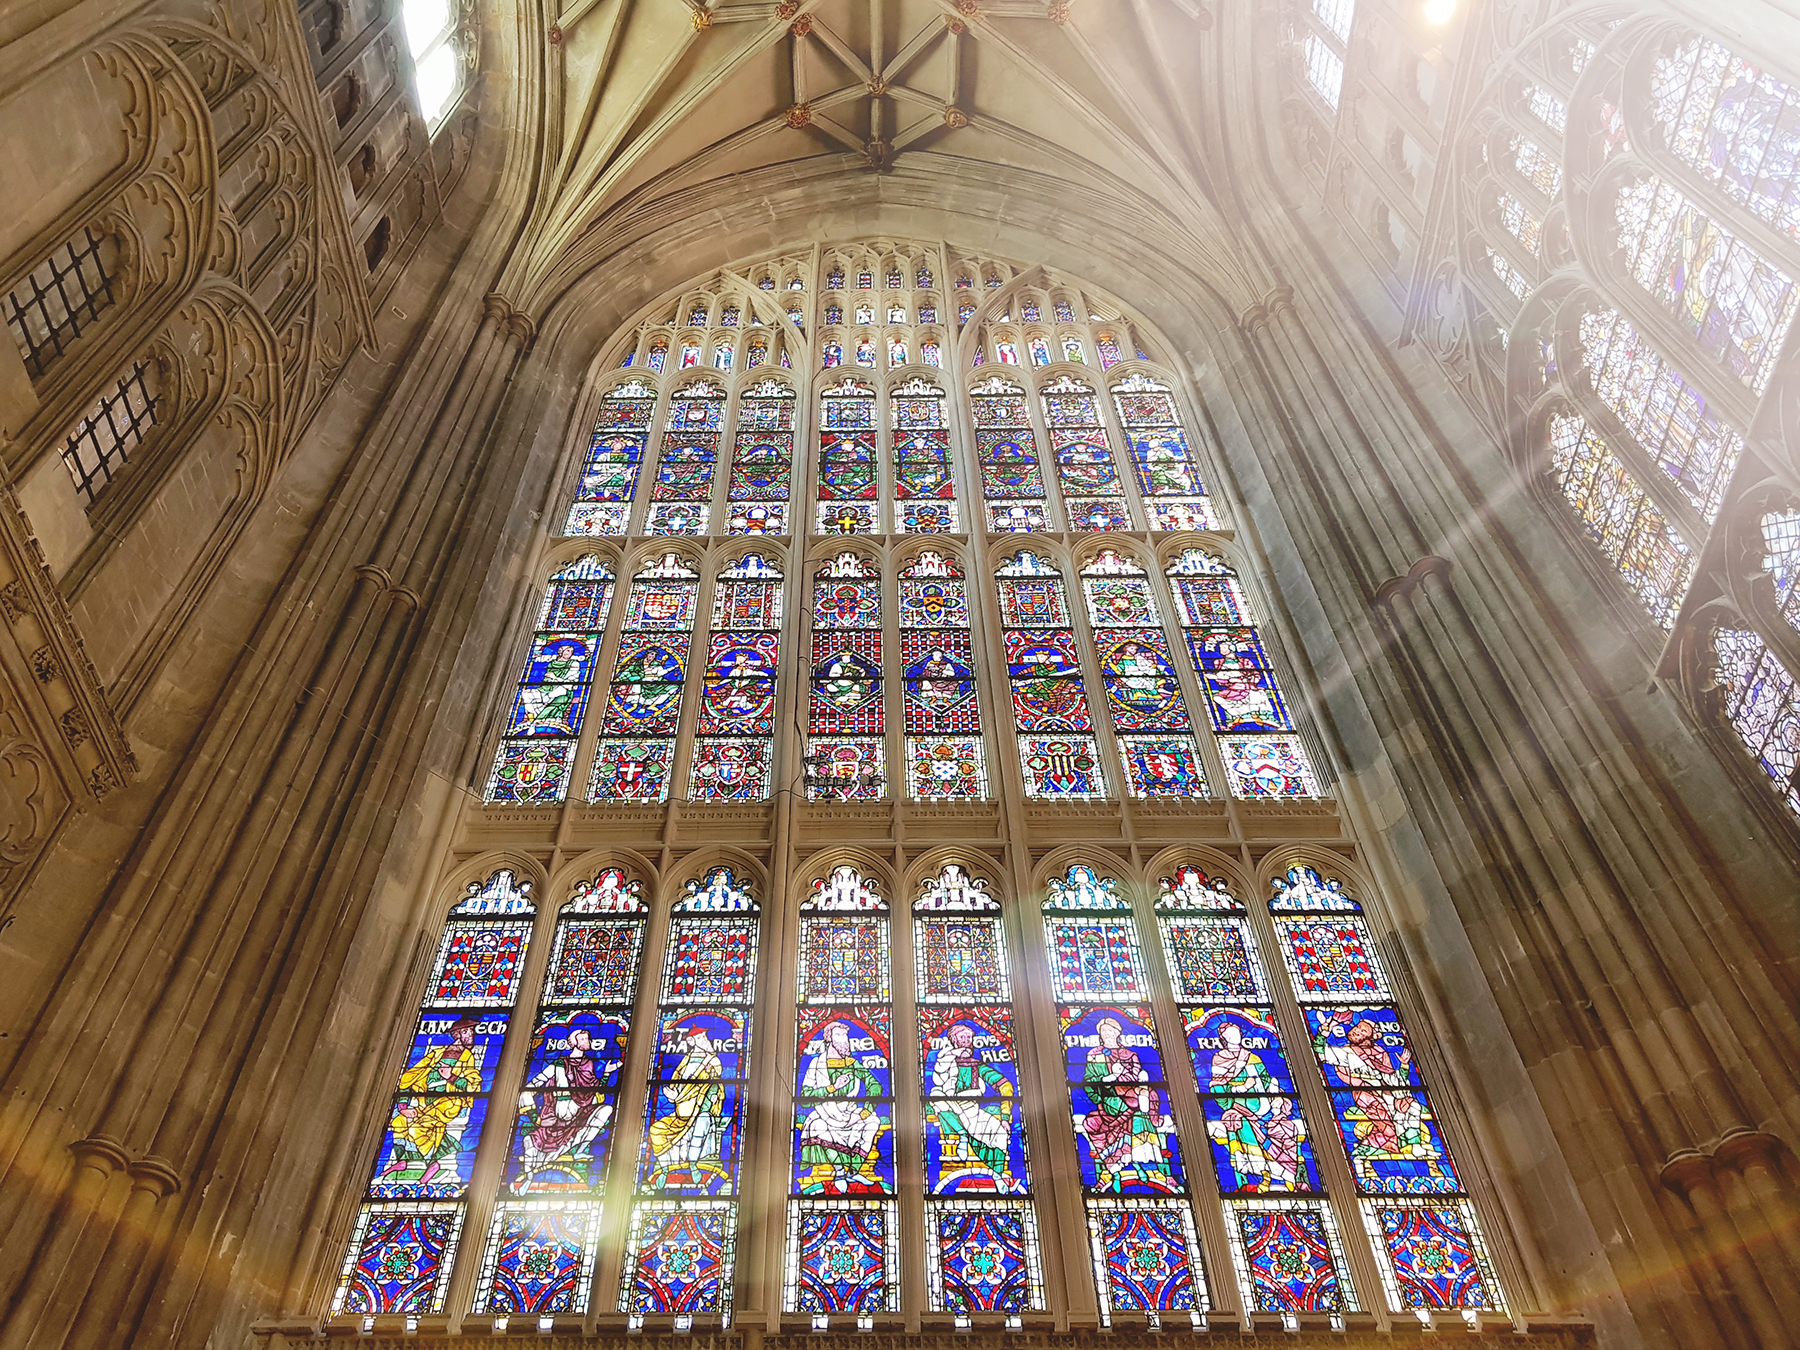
(547, 704)
(980, 1124)
(688, 1133)
(569, 1115)
(1394, 1122)
(455, 1067)
(1124, 1131)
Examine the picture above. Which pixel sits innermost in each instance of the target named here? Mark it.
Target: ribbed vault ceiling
(647, 98)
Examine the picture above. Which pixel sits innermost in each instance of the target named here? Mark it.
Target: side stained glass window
(1264, 757)
(1651, 556)
(1049, 696)
(404, 1244)
(1763, 704)
(545, 1232)
(1146, 1252)
(924, 487)
(849, 487)
(946, 759)
(1667, 415)
(1284, 1238)
(681, 1241)
(681, 501)
(1415, 1207)
(843, 1224)
(615, 455)
(1012, 480)
(1737, 305)
(1143, 693)
(544, 721)
(1168, 476)
(1736, 124)
(734, 736)
(762, 460)
(643, 698)
(981, 1239)
(1093, 496)
(846, 746)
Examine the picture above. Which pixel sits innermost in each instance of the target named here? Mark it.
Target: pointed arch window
(762, 460)
(843, 1222)
(1168, 475)
(1264, 756)
(681, 500)
(924, 486)
(981, 1238)
(404, 1244)
(609, 477)
(1143, 693)
(1012, 480)
(849, 488)
(1057, 749)
(545, 1231)
(1086, 472)
(1415, 1206)
(1146, 1252)
(643, 705)
(946, 759)
(681, 1240)
(550, 701)
(1283, 1235)
(734, 736)
(846, 745)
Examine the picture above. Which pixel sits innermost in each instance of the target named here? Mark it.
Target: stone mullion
(486, 1178)
(620, 1191)
(1181, 1081)
(1056, 1181)
(1634, 1070)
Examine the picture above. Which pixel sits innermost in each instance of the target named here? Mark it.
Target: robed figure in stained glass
(1261, 1133)
(838, 1138)
(565, 1102)
(1125, 1129)
(688, 1132)
(549, 701)
(1392, 1123)
(455, 1067)
(979, 1126)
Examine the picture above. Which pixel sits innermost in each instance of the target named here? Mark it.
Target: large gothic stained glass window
(643, 699)
(1012, 480)
(924, 487)
(1283, 1236)
(843, 1224)
(545, 719)
(681, 1241)
(734, 734)
(846, 745)
(1264, 756)
(1414, 1205)
(946, 758)
(680, 501)
(1146, 1252)
(1049, 695)
(407, 1230)
(609, 478)
(762, 460)
(981, 1225)
(545, 1231)
(1143, 694)
(849, 485)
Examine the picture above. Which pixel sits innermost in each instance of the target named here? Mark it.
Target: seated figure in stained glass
(975, 1131)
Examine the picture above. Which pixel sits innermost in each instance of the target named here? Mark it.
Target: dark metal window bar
(66, 293)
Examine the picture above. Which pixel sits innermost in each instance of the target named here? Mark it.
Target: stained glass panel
(1167, 472)
(1146, 1258)
(1288, 1256)
(539, 1258)
(609, 475)
(550, 700)
(1654, 560)
(924, 490)
(1763, 705)
(1049, 694)
(1012, 481)
(843, 1257)
(848, 483)
(734, 734)
(762, 461)
(400, 1259)
(946, 758)
(1433, 1253)
(983, 1257)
